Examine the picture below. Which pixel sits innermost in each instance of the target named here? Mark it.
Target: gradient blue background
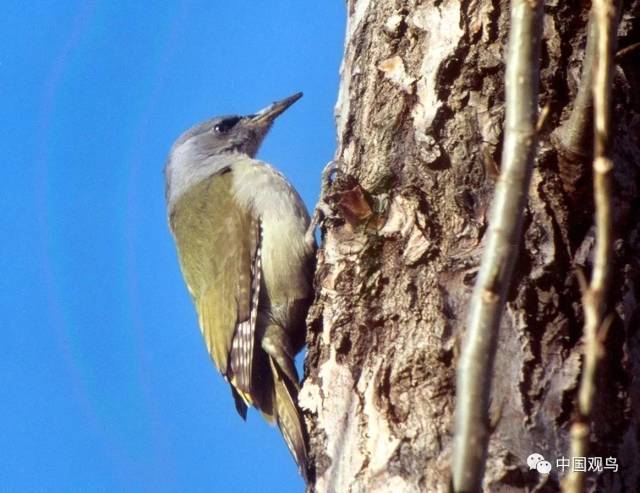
(105, 383)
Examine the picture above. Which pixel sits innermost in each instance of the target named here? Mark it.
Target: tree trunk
(419, 117)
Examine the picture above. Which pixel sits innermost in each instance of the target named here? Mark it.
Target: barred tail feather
(289, 418)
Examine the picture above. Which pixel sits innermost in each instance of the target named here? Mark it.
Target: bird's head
(234, 133)
(213, 144)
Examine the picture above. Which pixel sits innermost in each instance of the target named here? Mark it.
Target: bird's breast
(284, 221)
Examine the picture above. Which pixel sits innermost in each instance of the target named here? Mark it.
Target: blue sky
(105, 383)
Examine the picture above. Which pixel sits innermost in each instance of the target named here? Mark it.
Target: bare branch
(594, 299)
(626, 51)
(503, 238)
(572, 136)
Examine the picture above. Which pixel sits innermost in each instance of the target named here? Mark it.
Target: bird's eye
(225, 125)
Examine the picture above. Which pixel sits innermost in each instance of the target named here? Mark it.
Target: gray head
(213, 143)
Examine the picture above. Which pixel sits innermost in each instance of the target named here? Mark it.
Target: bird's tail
(289, 417)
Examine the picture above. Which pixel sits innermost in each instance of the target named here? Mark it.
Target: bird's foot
(322, 208)
(277, 345)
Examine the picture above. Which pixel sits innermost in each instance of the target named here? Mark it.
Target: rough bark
(419, 117)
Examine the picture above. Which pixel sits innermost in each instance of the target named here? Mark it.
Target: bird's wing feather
(218, 246)
(289, 418)
(242, 347)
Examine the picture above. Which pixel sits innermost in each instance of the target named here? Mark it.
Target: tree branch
(572, 136)
(503, 237)
(594, 296)
(627, 51)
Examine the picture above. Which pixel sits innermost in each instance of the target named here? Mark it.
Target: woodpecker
(240, 230)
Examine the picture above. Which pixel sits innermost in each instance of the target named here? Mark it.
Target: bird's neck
(184, 170)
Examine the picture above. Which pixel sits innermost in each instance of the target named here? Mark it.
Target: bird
(241, 234)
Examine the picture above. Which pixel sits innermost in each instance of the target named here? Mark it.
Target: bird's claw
(322, 208)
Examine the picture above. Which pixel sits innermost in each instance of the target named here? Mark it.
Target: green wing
(218, 247)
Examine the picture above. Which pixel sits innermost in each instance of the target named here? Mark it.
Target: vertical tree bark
(419, 116)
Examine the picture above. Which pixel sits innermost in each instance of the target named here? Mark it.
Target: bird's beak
(271, 112)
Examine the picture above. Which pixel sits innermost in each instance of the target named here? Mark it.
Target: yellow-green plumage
(241, 233)
(217, 242)
(216, 269)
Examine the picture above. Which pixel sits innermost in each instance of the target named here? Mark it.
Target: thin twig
(503, 237)
(542, 118)
(627, 50)
(594, 297)
(572, 136)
